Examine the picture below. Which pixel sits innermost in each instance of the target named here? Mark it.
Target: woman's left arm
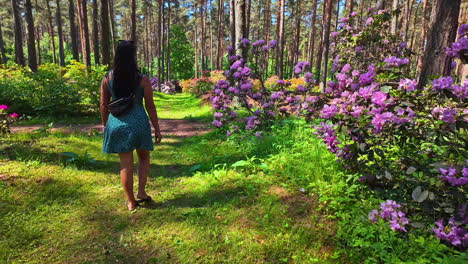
(104, 102)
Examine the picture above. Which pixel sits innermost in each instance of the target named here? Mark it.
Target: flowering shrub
(6, 119)
(196, 86)
(403, 139)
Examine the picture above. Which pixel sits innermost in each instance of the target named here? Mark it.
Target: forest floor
(61, 210)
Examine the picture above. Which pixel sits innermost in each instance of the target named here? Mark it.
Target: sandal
(148, 199)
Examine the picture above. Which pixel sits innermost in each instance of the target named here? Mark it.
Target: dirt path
(176, 127)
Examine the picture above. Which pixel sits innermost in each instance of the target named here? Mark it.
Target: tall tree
(3, 58)
(19, 55)
(112, 24)
(105, 34)
(73, 34)
(84, 31)
(296, 53)
(203, 35)
(60, 33)
(350, 6)
(32, 59)
(422, 37)
(241, 31)
(395, 17)
(280, 38)
(442, 31)
(95, 32)
(168, 41)
(266, 29)
(133, 20)
(232, 22)
(326, 42)
(313, 28)
(51, 31)
(219, 49)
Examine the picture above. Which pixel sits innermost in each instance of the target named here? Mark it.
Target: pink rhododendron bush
(408, 142)
(6, 119)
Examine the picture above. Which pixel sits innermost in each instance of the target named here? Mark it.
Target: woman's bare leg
(143, 170)
(126, 178)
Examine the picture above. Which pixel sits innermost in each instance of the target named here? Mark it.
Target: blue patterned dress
(129, 131)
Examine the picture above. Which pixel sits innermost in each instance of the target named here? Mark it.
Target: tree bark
(95, 32)
(281, 39)
(350, 6)
(105, 34)
(195, 39)
(219, 57)
(203, 35)
(247, 19)
(266, 27)
(422, 37)
(32, 59)
(19, 55)
(296, 53)
(51, 31)
(168, 40)
(112, 24)
(133, 20)
(312, 32)
(84, 31)
(442, 31)
(394, 18)
(73, 35)
(326, 42)
(3, 58)
(60, 34)
(240, 19)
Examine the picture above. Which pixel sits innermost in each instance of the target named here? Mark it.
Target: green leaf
(240, 163)
(195, 167)
(419, 195)
(385, 89)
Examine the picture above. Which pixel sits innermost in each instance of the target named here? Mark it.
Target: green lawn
(178, 106)
(205, 210)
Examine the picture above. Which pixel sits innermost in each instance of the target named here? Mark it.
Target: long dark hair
(126, 76)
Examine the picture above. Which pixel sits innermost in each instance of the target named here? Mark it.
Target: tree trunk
(3, 58)
(195, 39)
(51, 31)
(60, 34)
(211, 35)
(162, 40)
(394, 18)
(415, 18)
(337, 14)
(168, 40)
(203, 36)
(95, 32)
(240, 19)
(19, 55)
(350, 6)
(38, 35)
(442, 31)
(232, 23)
(73, 35)
(219, 57)
(422, 37)
(247, 19)
(382, 5)
(326, 44)
(312, 32)
(296, 53)
(133, 20)
(266, 26)
(32, 60)
(281, 39)
(84, 31)
(112, 24)
(105, 34)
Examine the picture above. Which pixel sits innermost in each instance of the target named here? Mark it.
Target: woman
(131, 130)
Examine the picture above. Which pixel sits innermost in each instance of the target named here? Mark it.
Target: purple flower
(408, 84)
(344, 20)
(454, 233)
(218, 115)
(443, 83)
(236, 65)
(461, 92)
(358, 49)
(3, 107)
(257, 43)
(272, 44)
(258, 134)
(369, 21)
(449, 115)
(454, 177)
(276, 95)
(373, 215)
(216, 123)
(353, 14)
(346, 68)
(245, 42)
(329, 111)
(228, 133)
(389, 211)
(395, 62)
(13, 115)
(379, 98)
(334, 34)
(462, 30)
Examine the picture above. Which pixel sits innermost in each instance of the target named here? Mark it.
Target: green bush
(52, 90)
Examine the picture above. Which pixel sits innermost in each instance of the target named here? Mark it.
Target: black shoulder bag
(121, 106)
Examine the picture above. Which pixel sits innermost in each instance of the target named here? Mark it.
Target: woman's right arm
(150, 107)
(104, 101)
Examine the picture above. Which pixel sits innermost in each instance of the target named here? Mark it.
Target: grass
(178, 106)
(205, 210)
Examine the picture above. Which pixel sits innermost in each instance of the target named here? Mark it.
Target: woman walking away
(126, 127)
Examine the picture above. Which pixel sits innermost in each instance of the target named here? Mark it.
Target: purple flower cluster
(454, 233)
(446, 83)
(396, 62)
(448, 115)
(301, 66)
(408, 85)
(389, 210)
(454, 176)
(459, 47)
